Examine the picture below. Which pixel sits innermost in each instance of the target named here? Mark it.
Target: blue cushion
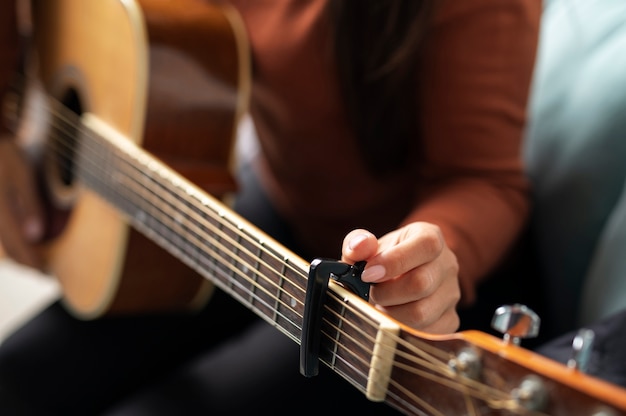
(575, 155)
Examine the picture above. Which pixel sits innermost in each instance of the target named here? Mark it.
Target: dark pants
(224, 360)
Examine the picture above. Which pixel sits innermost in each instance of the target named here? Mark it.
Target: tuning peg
(581, 350)
(516, 322)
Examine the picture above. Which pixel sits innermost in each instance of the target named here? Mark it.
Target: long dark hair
(377, 48)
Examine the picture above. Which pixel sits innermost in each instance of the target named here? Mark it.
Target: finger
(406, 249)
(446, 322)
(418, 283)
(425, 312)
(411, 287)
(358, 245)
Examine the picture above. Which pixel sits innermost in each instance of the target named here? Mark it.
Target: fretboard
(195, 227)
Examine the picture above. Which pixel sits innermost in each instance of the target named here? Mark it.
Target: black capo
(320, 271)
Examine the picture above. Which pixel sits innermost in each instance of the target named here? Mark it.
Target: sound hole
(60, 163)
(65, 141)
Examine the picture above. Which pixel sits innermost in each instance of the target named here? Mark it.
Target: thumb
(358, 245)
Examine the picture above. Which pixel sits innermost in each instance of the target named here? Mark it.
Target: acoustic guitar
(107, 81)
(138, 104)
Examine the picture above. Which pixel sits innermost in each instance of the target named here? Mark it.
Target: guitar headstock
(465, 373)
(474, 373)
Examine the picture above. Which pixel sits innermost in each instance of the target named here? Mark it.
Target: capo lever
(320, 271)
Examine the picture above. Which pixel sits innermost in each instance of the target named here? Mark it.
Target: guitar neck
(194, 226)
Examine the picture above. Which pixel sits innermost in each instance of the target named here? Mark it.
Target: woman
(390, 130)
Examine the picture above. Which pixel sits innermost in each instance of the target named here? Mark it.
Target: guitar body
(151, 94)
(165, 75)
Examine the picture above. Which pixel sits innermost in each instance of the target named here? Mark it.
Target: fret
(347, 340)
(213, 225)
(116, 189)
(184, 221)
(85, 163)
(93, 153)
(269, 265)
(213, 236)
(163, 214)
(206, 260)
(235, 262)
(249, 256)
(230, 258)
(284, 316)
(124, 188)
(174, 217)
(209, 243)
(252, 256)
(210, 246)
(169, 224)
(279, 289)
(194, 231)
(196, 252)
(255, 270)
(337, 334)
(159, 212)
(223, 256)
(292, 297)
(132, 199)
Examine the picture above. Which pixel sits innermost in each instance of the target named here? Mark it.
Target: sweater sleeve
(9, 50)
(477, 76)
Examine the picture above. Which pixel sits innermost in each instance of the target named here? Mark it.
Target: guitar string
(435, 360)
(269, 267)
(416, 361)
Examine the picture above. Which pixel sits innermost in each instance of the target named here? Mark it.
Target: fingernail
(33, 229)
(356, 240)
(373, 274)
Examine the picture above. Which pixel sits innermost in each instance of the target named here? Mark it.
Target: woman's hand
(414, 275)
(21, 222)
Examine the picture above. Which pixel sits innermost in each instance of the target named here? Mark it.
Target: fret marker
(140, 216)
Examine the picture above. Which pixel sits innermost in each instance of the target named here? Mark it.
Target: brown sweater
(473, 92)
(480, 59)
(9, 51)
